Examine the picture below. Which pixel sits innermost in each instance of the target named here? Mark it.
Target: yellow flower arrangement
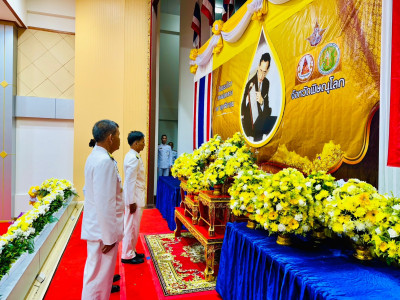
(322, 186)
(232, 156)
(246, 191)
(353, 210)
(386, 234)
(286, 204)
(195, 183)
(188, 164)
(19, 236)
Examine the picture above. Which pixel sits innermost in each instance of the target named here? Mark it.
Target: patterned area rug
(179, 263)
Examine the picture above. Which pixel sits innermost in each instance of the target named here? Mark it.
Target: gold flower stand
(210, 244)
(214, 211)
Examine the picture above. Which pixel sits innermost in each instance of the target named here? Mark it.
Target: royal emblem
(328, 59)
(305, 68)
(316, 37)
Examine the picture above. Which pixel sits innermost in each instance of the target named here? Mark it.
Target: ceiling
(6, 14)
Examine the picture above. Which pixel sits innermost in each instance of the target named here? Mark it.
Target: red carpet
(137, 281)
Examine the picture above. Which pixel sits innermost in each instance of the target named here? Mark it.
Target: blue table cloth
(168, 197)
(253, 266)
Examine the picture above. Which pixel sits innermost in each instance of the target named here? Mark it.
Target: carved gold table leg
(178, 229)
(210, 256)
(211, 214)
(182, 205)
(195, 216)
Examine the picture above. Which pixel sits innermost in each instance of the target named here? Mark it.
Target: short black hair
(134, 136)
(266, 57)
(163, 136)
(171, 143)
(103, 128)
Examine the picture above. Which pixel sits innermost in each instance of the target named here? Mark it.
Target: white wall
(186, 83)
(388, 177)
(44, 149)
(50, 14)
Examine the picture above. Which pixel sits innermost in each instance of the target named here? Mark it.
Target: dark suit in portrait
(256, 128)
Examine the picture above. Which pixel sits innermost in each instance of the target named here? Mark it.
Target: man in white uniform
(102, 224)
(134, 191)
(164, 157)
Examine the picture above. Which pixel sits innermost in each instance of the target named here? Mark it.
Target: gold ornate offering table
(210, 244)
(214, 211)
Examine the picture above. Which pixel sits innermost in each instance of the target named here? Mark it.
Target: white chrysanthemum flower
(305, 228)
(351, 189)
(244, 187)
(258, 212)
(299, 188)
(265, 225)
(331, 213)
(318, 187)
(265, 205)
(329, 198)
(378, 231)
(298, 217)
(396, 207)
(279, 207)
(355, 238)
(281, 227)
(242, 207)
(360, 225)
(308, 184)
(302, 202)
(392, 233)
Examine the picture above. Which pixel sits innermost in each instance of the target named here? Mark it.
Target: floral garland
(46, 200)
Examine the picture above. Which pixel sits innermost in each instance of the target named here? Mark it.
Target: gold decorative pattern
(4, 84)
(175, 278)
(3, 154)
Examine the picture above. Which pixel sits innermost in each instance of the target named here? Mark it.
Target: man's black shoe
(139, 255)
(133, 261)
(114, 289)
(116, 277)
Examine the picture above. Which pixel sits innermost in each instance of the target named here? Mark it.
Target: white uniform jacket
(134, 185)
(164, 156)
(103, 216)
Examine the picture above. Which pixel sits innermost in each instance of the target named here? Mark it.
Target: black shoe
(133, 261)
(139, 255)
(116, 277)
(114, 289)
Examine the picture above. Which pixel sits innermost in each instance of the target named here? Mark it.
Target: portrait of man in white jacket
(134, 197)
(102, 224)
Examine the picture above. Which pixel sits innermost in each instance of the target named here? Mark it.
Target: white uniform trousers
(131, 232)
(163, 172)
(99, 272)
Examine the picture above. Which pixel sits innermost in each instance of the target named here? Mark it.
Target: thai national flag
(196, 26)
(202, 110)
(207, 9)
(229, 7)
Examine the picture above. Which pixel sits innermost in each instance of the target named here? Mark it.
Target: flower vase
(217, 189)
(319, 234)
(283, 239)
(251, 224)
(363, 253)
